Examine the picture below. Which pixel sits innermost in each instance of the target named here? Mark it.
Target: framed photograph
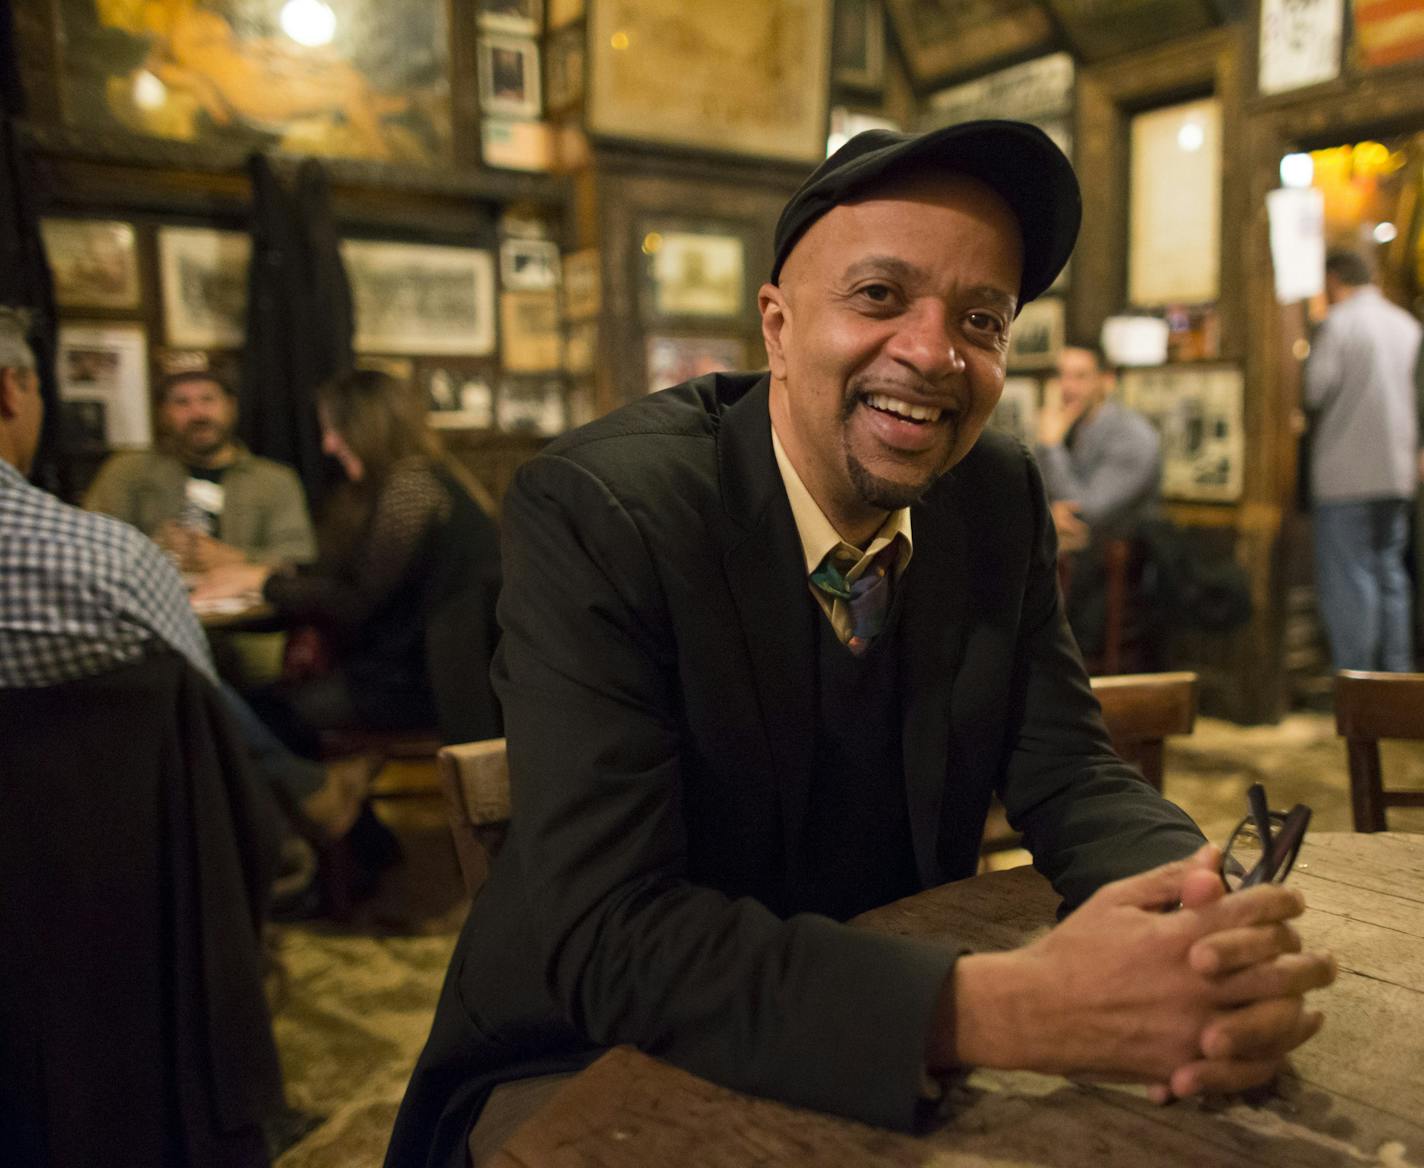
(1299, 43)
(679, 74)
(564, 57)
(519, 16)
(531, 339)
(106, 365)
(1017, 411)
(1198, 412)
(693, 273)
(1174, 205)
(1037, 335)
(531, 406)
(673, 360)
(529, 264)
(583, 284)
(946, 37)
(1038, 91)
(420, 298)
(858, 44)
(458, 399)
(371, 82)
(203, 275)
(94, 262)
(509, 76)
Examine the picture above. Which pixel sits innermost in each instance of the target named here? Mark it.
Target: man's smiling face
(888, 336)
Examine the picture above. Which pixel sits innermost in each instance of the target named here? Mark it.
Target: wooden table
(1355, 1095)
(255, 615)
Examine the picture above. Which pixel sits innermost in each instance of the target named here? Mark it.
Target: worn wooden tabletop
(1354, 1096)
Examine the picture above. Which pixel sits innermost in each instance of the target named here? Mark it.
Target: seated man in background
(82, 594)
(1102, 465)
(201, 495)
(771, 641)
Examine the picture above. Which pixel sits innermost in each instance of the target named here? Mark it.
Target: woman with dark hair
(408, 573)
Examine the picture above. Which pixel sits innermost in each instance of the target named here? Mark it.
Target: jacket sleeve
(111, 492)
(1087, 817)
(806, 1010)
(290, 539)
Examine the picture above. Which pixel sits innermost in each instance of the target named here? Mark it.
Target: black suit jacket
(655, 671)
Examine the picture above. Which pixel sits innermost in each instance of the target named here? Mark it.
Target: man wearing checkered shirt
(82, 594)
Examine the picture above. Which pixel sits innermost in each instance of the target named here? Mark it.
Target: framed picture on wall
(1299, 43)
(458, 397)
(858, 44)
(420, 298)
(1037, 335)
(509, 76)
(672, 360)
(94, 262)
(583, 284)
(531, 340)
(1017, 411)
(203, 275)
(531, 406)
(564, 69)
(518, 16)
(529, 264)
(104, 368)
(679, 74)
(1198, 412)
(693, 272)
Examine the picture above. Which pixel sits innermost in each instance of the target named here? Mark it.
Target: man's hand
(1209, 997)
(1073, 533)
(208, 553)
(1054, 418)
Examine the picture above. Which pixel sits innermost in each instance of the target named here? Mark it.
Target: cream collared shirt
(819, 539)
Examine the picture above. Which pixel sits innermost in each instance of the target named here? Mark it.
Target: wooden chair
(475, 780)
(1124, 638)
(1141, 710)
(1368, 707)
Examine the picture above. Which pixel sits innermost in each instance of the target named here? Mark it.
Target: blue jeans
(290, 777)
(1361, 583)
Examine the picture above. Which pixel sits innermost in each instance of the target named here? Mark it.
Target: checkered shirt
(82, 594)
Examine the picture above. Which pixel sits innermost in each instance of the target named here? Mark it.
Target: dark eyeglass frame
(1279, 847)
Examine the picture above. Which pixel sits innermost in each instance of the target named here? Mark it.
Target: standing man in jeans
(1364, 472)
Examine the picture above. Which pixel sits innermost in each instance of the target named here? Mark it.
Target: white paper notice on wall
(1299, 43)
(1297, 242)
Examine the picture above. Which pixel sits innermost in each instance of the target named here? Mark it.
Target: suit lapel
(931, 647)
(765, 575)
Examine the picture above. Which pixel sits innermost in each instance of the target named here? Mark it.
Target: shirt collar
(818, 536)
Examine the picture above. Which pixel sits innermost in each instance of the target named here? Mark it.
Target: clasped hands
(1207, 998)
(195, 550)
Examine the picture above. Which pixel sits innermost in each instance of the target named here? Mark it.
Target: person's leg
(1396, 644)
(1346, 588)
(294, 777)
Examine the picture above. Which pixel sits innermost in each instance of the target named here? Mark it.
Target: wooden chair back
(475, 779)
(1369, 707)
(1141, 710)
(1123, 634)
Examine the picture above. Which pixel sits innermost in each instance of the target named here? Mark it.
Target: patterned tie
(868, 598)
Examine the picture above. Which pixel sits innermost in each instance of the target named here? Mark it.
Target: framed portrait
(945, 37)
(1037, 335)
(583, 284)
(692, 272)
(1298, 43)
(372, 83)
(203, 276)
(673, 359)
(421, 298)
(517, 16)
(1198, 412)
(103, 369)
(509, 76)
(564, 57)
(529, 264)
(458, 398)
(94, 262)
(858, 44)
(531, 406)
(1017, 411)
(741, 78)
(531, 341)
(1174, 205)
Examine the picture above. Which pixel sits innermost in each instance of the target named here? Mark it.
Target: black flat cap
(1017, 160)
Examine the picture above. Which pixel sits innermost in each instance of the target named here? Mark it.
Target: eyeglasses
(1263, 848)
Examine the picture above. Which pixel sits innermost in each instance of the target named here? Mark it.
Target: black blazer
(658, 638)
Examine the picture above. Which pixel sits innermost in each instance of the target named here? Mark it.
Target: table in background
(1355, 1095)
(253, 614)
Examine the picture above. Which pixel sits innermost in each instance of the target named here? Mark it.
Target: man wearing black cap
(770, 644)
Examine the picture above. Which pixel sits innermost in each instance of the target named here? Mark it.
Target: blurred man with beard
(202, 495)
